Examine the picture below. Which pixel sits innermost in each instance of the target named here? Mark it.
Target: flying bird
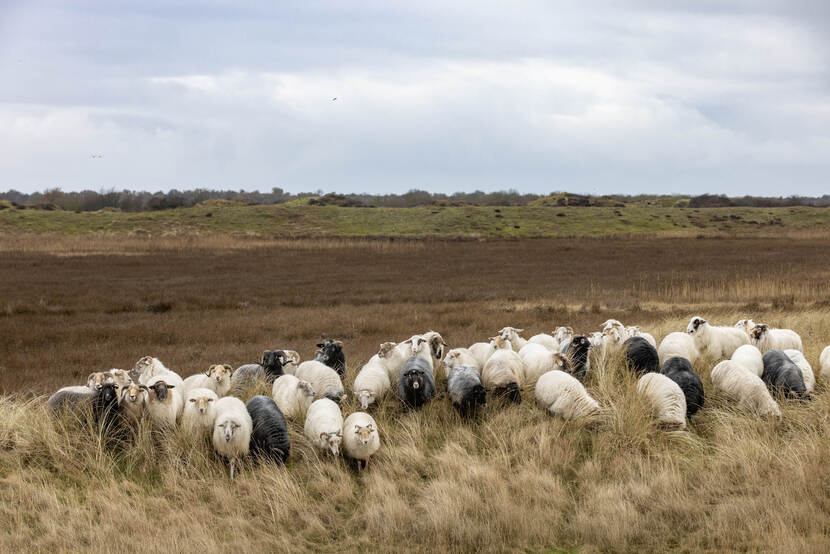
(333, 99)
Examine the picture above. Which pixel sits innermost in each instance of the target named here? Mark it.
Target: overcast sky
(597, 97)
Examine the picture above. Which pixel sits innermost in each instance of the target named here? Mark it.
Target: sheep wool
(716, 342)
(483, 350)
(360, 438)
(459, 357)
(503, 374)
(293, 396)
(371, 383)
(766, 338)
(269, 435)
(806, 369)
(416, 384)
(512, 334)
(548, 341)
(782, 376)
(745, 388)
(641, 356)
(465, 389)
(199, 411)
(561, 394)
(680, 371)
(749, 357)
(325, 380)
(538, 360)
(165, 401)
(677, 344)
(133, 400)
(824, 363)
(666, 398)
(324, 425)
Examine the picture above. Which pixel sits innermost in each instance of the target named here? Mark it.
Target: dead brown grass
(513, 479)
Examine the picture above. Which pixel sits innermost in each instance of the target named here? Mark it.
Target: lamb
(293, 396)
(562, 394)
(133, 399)
(745, 387)
(371, 382)
(677, 344)
(360, 438)
(766, 338)
(806, 369)
(199, 411)
(781, 375)
(716, 342)
(563, 335)
(325, 380)
(824, 363)
(232, 430)
(635, 331)
(577, 353)
(460, 357)
(331, 354)
(164, 403)
(270, 368)
(146, 368)
(416, 384)
(324, 425)
(465, 389)
(512, 334)
(548, 341)
(538, 360)
(217, 378)
(667, 399)
(749, 357)
(680, 371)
(98, 379)
(269, 435)
(641, 356)
(483, 350)
(503, 374)
(745, 325)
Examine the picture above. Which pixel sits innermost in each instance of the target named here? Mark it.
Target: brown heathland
(513, 479)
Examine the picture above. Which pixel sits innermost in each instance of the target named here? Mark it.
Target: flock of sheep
(755, 360)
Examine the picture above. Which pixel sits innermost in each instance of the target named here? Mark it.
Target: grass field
(513, 479)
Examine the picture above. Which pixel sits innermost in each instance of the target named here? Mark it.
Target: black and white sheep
(680, 371)
(102, 402)
(465, 389)
(783, 376)
(331, 353)
(416, 384)
(269, 437)
(641, 356)
(165, 401)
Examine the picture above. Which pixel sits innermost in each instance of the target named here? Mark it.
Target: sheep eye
(193, 400)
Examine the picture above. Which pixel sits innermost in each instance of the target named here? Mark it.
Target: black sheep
(270, 368)
(465, 390)
(577, 352)
(331, 353)
(416, 384)
(679, 370)
(641, 356)
(269, 438)
(782, 376)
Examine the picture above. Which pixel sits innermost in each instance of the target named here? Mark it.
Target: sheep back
(269, 436)
(681, 372)
(641, 356)
(782, 376)
(416, 384)
(465, 389)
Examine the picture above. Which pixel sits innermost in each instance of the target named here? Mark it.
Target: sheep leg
(232, 464)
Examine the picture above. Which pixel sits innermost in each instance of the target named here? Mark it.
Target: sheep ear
(324, 436)
(319, 345)
(520, 330)
(338, 343)
(144, 387)
(357, 427)
(369, 427)
(193, 400)
(408, 341)
(170, 386)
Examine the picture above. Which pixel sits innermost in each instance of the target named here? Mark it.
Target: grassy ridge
(298, 219)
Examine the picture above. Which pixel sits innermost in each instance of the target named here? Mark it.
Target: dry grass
(513, 479)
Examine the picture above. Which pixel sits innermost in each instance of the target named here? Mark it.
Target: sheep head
(219, 372)
(134, 393)
(98, 379)
(695, 324)
(561, 361)
(436, 343)
(363, 433)
(612, 323)
(228, 427)
(510, 333)
(386, 348)
(159, 389)
(365, 397)
(450, 358)
(501, 342)
(331, 441)
(758, 332)
(415, 380)
(202, 403)
(580, 341)
(563, 334)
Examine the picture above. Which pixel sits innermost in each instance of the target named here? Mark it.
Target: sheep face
(365, 398)
(563, 334)
(758, 332)
(228, 428)
(120, 377)
(561, 361)
(415, 380)
(386, 348)
(611, 324)
(449, 360)
(134, 393)
(202, 403)
(220, 372)
(363, 434)
(745, 325)
(436, 344)
(416, 345)
(159, 390)
(510, 333)
(332, 441)
(611, 337)
(695, 325)
(580, 341)
(98, 379)
(108, 394)
(501, 342)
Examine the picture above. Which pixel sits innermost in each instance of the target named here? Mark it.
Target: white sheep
(512, 334)
(165, 400)
(677, 344)
(292, 395)
(133, 400)
(393, 355)
(504, 371)
(232, 429)
(635, 331)
(744, 387)
(120, 377)
(767, 338)
(563, 335)
(824, 363)
(324, 425)
(325, 381)
(372, 382)
(548, 341)
(146, 368)
(538, 360)
(217, 378)
(612, 340)
(595, 339)
(483, 350)
(798, 359)
(749, 357)
(613, 324)
(199, 411)
(420, 347)
(666, 397)
(360, 437)
(717, 342)
(745, 325)
(562, 394)
(460, 357)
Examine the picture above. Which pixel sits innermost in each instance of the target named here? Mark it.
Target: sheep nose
(201, 410)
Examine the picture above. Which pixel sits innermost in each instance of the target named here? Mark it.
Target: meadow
(513, 479)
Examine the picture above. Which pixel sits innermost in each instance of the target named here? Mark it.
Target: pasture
(512, 479)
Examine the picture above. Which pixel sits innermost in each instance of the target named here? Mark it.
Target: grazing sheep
(678, 344)
(806, 369)
(465, 389)
(743, 386)
(680, 371)
(120, 377)
(199, 411)
(562, 394)
(745, 325)
(716, 342)
(512, 334)
(436, 344)
(635, 331)
(331, 354)
(371, 382)
(577, 353)
(270, 368)
(269, 435)
(782, 376)
(503, 374)
(360, 438)
(133, 400)
(70, 397)
(667, 399)
(165, 402)
(459, 357)
(325, 380)
(824, 363)
(416, 384)
(97, 380)
(548, 341)
(767, 338)
(563, 335)
(749, 357)
(324, 425)
(146, 368)
(641, 356)
(483, 350)
(217, 378)
(293, 396)
(232, 430)
(538, 360)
